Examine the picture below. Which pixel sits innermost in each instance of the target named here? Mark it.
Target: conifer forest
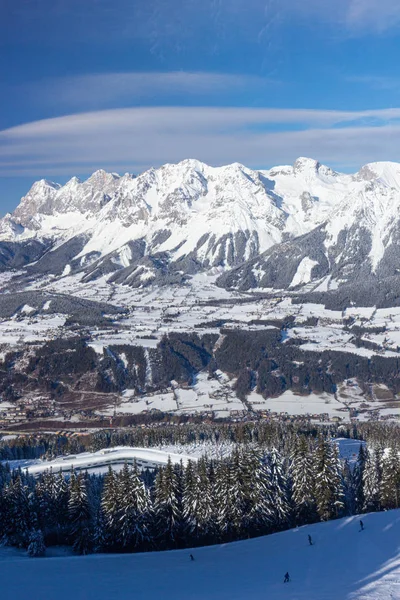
(275, 476)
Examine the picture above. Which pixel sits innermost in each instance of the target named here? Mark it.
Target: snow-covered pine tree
(279, 489)
(328, 481)
(18, 512)
(390, 483)
(190, 502)
(36, 545)
(167, 513)
(134, 509)
(349, 493)
(110, 507)
(261, 509)
(79, 512)
(227, 498)
(241, 491)
(372, 480)
(358, 480)
(179, 470)
(47, 495)
(198, 504)
(302, 475)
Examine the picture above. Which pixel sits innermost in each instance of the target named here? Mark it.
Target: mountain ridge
(282, 228)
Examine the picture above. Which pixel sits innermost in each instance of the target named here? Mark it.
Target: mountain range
(303, 227)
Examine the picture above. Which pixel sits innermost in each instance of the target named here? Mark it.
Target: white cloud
(136, 138)
(101, 90)
(378, 82)
(356, 16)
(373, 15)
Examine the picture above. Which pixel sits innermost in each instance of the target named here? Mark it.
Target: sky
(124, 85)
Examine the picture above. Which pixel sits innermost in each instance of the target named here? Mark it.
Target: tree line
(252, 492)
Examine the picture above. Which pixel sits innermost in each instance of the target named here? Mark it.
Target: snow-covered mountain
(280, 228)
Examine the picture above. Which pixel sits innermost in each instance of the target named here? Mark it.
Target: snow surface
(146, 457)
(343, 564)
(303, 273)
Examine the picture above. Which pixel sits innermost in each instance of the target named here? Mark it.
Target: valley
(192, 292)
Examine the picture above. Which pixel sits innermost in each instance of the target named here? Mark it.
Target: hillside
(343, 564)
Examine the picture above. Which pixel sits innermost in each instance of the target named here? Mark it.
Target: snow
(296, 404)
(30, 329)
(27, 309)
(66, 271)
(348, 448)
(189, 199)
(146, 457)
(303, 273)
(343, 564)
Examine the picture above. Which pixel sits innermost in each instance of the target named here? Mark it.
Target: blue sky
(128, 84)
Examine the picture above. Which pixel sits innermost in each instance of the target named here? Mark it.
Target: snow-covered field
(200, 306)
(195, 306)
(93, 461)
(207, 395)
(343, 564)
(98, 462)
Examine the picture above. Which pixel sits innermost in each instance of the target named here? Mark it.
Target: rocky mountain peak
(306, 219)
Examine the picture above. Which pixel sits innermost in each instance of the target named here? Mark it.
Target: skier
(287, 578)
(191, 556)
(361, 526)
(310, 540)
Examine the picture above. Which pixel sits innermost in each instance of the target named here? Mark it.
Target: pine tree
(190, 502)
(261, 510)
(110, 507)
(328, 481)
(349, 490)
(358, 480)
(134, 509)
(79, 514)
(280, 489)
(390, 483)
(167, 512)
(36, 545)
(198, 504)
(303, 483)
(61, 507)
(47, 496)
(372, 476)
(19, 519)
(226, 510)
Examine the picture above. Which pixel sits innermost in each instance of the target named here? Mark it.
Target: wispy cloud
(377, 82)
(136, 138)
(373, 15)
(110, 90)
(358, 17)
(180, 24)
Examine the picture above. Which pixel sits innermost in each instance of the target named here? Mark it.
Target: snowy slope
(358, 236)
(343, 564)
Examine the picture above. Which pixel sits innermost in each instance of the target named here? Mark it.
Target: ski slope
(343, 564)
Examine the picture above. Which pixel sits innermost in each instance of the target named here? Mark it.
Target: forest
(266, 360)
(274, 477)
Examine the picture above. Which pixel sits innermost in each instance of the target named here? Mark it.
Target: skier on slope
(361, 526)
(286, 578)
(191, 556)
(310, 540)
